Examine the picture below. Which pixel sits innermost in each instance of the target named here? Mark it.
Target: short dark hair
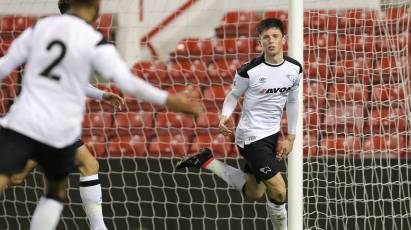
(64, 6)
(74, 3)
(268, 23)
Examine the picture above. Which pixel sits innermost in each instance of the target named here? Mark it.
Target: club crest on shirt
(291, 77)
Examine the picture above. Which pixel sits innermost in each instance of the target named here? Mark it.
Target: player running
(44, 123)
(268, 82)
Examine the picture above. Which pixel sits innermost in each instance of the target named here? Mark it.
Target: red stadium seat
(97, 123)
(345, 119)
(391, 43)
(387, 69)
(386, 145)
(358, 21)
(133, 122)
(23, 22)
(220, 145)
(208, 122)
(104, 24)
(341, 92)
(238, 23)
(388, 120)
(223, 71)
(387, 93)
(170, 122)
(310, 145)
(396, 19)
(341, 145)
(353, 70)
(195, 91)
(235, 48)
(154, 72)
(317, 67)
(321, 43)
(95, 144)
(360, 43)
(280, 14)
(314, 95)
(320, 20)
(193, 48)
(185, 71)
(214, 96)
(132, 146)
(7, 23)
(169, 145)
(312, 119)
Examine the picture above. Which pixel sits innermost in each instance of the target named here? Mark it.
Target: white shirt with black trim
(60, 53)
(266, 88)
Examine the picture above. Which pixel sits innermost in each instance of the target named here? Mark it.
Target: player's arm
(109, 64)
(16, 55)
(292, 117)
(230, 102)
(18, 178)
(108, 97)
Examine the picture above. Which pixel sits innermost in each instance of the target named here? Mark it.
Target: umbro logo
(265, 170)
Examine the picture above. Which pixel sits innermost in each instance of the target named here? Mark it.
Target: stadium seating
(344, 119)
(193, 48)
(128, 146)
(238, 23)
(97, 123)
(140, 122)
(187, 71)
(386, 145)
(169, 145)
(96, 144)
(154, 72)
(341, 145)
(221, 145)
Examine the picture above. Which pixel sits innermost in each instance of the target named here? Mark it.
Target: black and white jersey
(60, 53)
(266, 88)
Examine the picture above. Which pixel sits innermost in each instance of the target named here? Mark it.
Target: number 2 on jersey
(47, 71)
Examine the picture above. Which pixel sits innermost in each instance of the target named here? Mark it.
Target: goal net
(356, 115)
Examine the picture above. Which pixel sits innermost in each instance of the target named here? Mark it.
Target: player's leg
(49, 208)
(262, 163)
(18, 178)
(252, 190)
(233, 176)
(277, 195)
(56, 164)
(90, 188)
(15, 149)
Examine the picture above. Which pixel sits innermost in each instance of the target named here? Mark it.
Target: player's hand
(286, 147)
(113, 99)
(222, 126)
(17, 179)
(182, 102)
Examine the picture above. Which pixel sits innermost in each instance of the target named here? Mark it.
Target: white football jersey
(266, 88)
(60, 53)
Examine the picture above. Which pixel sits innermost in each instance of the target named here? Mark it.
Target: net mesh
(356, 140)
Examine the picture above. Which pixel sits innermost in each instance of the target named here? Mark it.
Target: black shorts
(261, 157)
(16, 149)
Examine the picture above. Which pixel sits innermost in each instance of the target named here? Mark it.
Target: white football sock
(47, 214)
(277, 214)
(233, 176)
(90, 193)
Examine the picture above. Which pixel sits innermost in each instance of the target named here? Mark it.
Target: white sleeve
(93, 92)
(16, 55)
(109, 64)
(239, 87)
(292, 107)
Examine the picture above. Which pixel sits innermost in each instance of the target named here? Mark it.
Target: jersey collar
(273, 65)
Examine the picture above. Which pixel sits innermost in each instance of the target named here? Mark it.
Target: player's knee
(56, 189)
(89, 167)
(278, 193)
